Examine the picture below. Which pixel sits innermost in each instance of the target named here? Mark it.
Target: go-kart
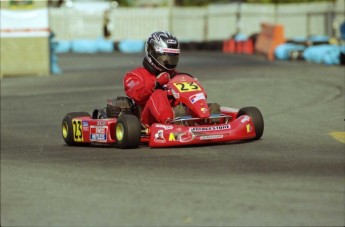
(200, 122)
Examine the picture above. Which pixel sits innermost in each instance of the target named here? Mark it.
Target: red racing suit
(140, 86)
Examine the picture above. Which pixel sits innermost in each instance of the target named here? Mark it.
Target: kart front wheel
(67, 127)
(128, 131)
(257, 118)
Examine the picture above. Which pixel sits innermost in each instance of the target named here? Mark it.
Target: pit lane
(293, 176)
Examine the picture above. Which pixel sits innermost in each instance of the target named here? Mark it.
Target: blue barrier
(283, 52)
(54, 67)
(105, 46)
(324, 54)
(131, 46)
(63, 46)
(86, 46)
(240, 37)
(319, 38)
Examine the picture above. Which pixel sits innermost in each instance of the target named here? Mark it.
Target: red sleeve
(139, 85)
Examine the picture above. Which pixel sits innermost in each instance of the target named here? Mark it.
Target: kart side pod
(78, 128)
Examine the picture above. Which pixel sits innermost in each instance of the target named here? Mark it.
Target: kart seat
(118, 105)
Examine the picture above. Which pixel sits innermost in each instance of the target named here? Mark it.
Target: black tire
(128, 131)
(257, 118)
(67, 127)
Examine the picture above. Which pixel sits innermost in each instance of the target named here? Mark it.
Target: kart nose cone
(201, 109)
(204, 112)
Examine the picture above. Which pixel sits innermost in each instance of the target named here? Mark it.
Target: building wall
(25, 56)
(215, 22)
(24, 50)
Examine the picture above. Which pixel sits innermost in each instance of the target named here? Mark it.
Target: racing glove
(162, 79)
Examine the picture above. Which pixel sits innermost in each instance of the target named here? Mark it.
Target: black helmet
(162, 52)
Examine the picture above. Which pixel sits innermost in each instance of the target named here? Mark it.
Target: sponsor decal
(163, 50)
(249, 128)
(210, 128)
(203, 109)
(175, 94)
(181, 136)
(186, 137)
(85, 126)
(171, 41)
(172, 137)
(159, 137)
(166, 127)
(245, 119)
(194, 98)
(171, 50)
(132, 84)
(98, 133)
(211, 137)
(98, 137)
(101, 123)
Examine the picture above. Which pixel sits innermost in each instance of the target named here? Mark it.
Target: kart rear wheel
(67, 127)
(257, 118)
(128, 131)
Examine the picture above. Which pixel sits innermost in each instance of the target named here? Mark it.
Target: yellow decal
(172, 137)
(187, 86)
(340, 136)
(77, 131)
(249, 128)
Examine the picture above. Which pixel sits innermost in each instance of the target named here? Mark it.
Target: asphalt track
(293, 176)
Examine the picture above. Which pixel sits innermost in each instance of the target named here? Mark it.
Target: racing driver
(142, 84)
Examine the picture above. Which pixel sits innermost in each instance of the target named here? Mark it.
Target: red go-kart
(200, 122)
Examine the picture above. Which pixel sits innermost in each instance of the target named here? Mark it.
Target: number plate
(187, 86)
(77, 131)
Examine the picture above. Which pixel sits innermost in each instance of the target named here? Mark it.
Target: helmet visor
(168, 57)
